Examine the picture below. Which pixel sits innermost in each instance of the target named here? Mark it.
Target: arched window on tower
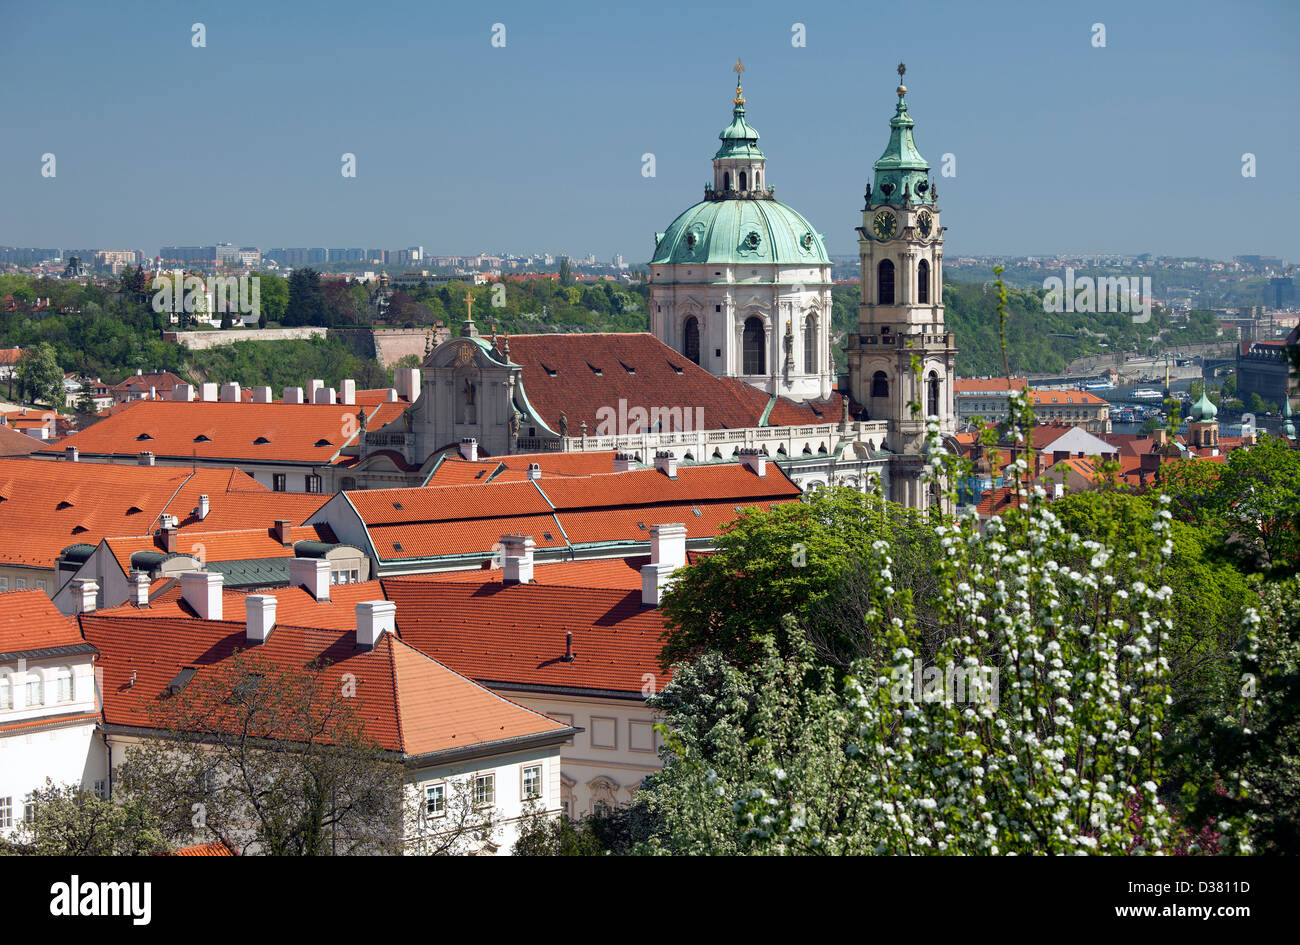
(932, 401)
(758, 180)
(810, 345)
(885, 282)
(923, 282)
(691, 339)
(726, 180)
(880, 384)
(742, 180)
(754, 347)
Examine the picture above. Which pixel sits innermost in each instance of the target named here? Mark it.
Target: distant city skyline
(1060, 147)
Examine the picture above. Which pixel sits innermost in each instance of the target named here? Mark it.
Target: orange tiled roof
(16, 443)
(515, 635)
(608, 573)
(408, 702)
(579, 374)
(216, 848)
(310, 434)
(30, 621)
(46, 506)
(987, 385)
(1061, 398)
(231, 545)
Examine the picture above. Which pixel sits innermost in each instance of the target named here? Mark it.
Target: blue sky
(462, 147)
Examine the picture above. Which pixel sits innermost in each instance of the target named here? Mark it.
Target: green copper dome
(1288, 428)
(902, 176)
(739, 139)
(740, 231)
(1203, 410)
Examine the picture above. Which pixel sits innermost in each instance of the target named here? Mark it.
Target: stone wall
(199, 340)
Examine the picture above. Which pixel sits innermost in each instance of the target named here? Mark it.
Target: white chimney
(667, 554)
(230, 393)
(261, 395)
(153, 393)
(469, 449)
(622, 462)
(209, 392)
(293, 395)
(324, 395)
(374, 619)
(348, 394)
(202, 591)
(313, 385)
(183, 392)
(534, 471)
(312, 574)
(666, 463)
(146, 458)
(259, 611)
(391, 396)
(517, 558)
(72, 453)
(85, 592)
(754, 460)
(205, 506)
(407, 383)
(140, 588)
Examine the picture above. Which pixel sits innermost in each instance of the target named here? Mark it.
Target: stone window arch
(885, 282)
(880, 384)
(726, 180)
(754, 347)
(691, 339)
(932, 400)
(742, 180)
(923, 282)
(604, 792)
(810, 344)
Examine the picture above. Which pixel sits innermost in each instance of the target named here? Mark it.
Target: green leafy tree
(39, 376)
(71, 821)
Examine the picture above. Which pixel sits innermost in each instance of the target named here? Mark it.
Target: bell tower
(900, 316)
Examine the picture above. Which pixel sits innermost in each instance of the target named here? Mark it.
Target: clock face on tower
(924, 224)
(884, 224)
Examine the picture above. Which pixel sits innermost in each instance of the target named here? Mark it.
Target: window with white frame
(22, 584)
(532, 776)
(4, 584)
(6, 692)
(6, 811)
(34, 694)
(485, 789)
(435, 799)
(66, 685)
(101, 789)
(29, 808)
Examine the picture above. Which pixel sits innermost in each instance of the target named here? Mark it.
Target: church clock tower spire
(900, 316)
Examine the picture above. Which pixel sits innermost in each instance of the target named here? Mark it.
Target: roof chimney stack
(85, 593)
(517, 559)
(534, 471)
(666, 463)
(140, 588)
(146, 458)
(261, 395)
(374, 619)
(348, 393)
(469, 449)
(169, 538)
(314, 385)
(622, 462)
(293, 395)
(72, 453)
(259, 611)
(324, 395)
(569, 655)
(202, 591)
(407, 383)
(667, 554)
(312, 574)
(205, 506)
(209, 392)
(754, 460)
(231, 393)
(280, 531)
(183, 392)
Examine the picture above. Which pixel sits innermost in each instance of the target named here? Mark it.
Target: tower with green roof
(740, 283)
(1202, 423)
(900, 315)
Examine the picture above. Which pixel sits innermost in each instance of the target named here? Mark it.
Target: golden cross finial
(901, 69)
(469, 304)
(738, 68)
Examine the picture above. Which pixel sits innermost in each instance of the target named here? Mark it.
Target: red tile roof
(14, 442)
(46, 506)
(516, 635)
(466, 519)
(231, 545)
(284, 433)
(216, 848)
(580, 375)
(406, 701)
(30, 621)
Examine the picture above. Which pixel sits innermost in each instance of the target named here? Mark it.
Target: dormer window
(144, 436)
(203, 438)
(260, 440)
(323, 442)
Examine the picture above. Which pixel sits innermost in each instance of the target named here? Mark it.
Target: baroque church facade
(738, 359)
